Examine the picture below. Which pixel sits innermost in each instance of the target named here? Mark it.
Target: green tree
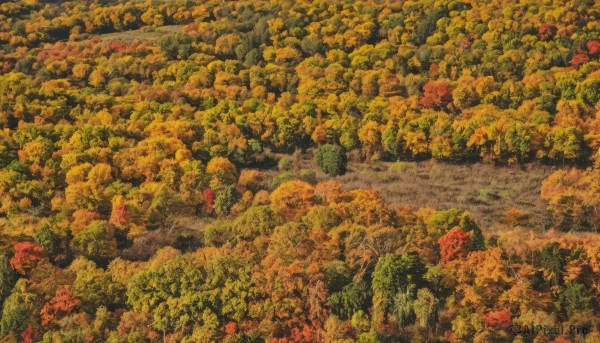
(553, 261)
(588, 90)
(96, 242)
(285, 164)
(281, 178)
(176, 46)
(18, 310)
(94, 286)
(445, 220)
(467, 324)
(574, 298)
(166, 208)
(331, 159)
(254, 222)
(518, 140)
(225, 200)
(395, 280)
(467, 224)
(404, 307)
(7, 278)
(352, 298)
(565, 144)
(54, 244)
(426, 309)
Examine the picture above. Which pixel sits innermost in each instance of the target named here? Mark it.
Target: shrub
(402, 167)
(309, 176)
(285, 164)
(281, 178)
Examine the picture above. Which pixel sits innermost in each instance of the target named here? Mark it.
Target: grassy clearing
(485, 190)
(146, 33)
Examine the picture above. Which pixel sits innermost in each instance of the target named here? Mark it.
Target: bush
(331, 159)
(309, 176)
(402, 167)
(285, 164)
(281, 178)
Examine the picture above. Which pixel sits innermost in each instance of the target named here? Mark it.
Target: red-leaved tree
(437, 94)
(593, 47)
(560, 340)
(230, 328)
(209, 199)
(29, 335)
(547, 31)
(579, 59)
(454, 244)
(497, 319)
(120, 214)
(27, 256)
(62, 304)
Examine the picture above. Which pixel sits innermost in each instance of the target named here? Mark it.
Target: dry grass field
(485, 190)
(152, 34)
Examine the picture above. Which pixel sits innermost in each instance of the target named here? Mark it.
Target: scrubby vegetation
(488, 192)
(155, 183)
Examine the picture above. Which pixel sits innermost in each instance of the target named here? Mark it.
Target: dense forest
(154, 183)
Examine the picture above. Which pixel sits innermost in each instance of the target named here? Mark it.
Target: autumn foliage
(62, 304)
(454, 245)
(437, 94)
(498, 319)
(176, 164)
(27, 256)
(209, 199)
(120, 214)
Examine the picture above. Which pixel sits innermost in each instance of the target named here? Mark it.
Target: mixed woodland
(154, 188)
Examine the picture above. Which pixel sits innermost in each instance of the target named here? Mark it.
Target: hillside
(299, 171)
